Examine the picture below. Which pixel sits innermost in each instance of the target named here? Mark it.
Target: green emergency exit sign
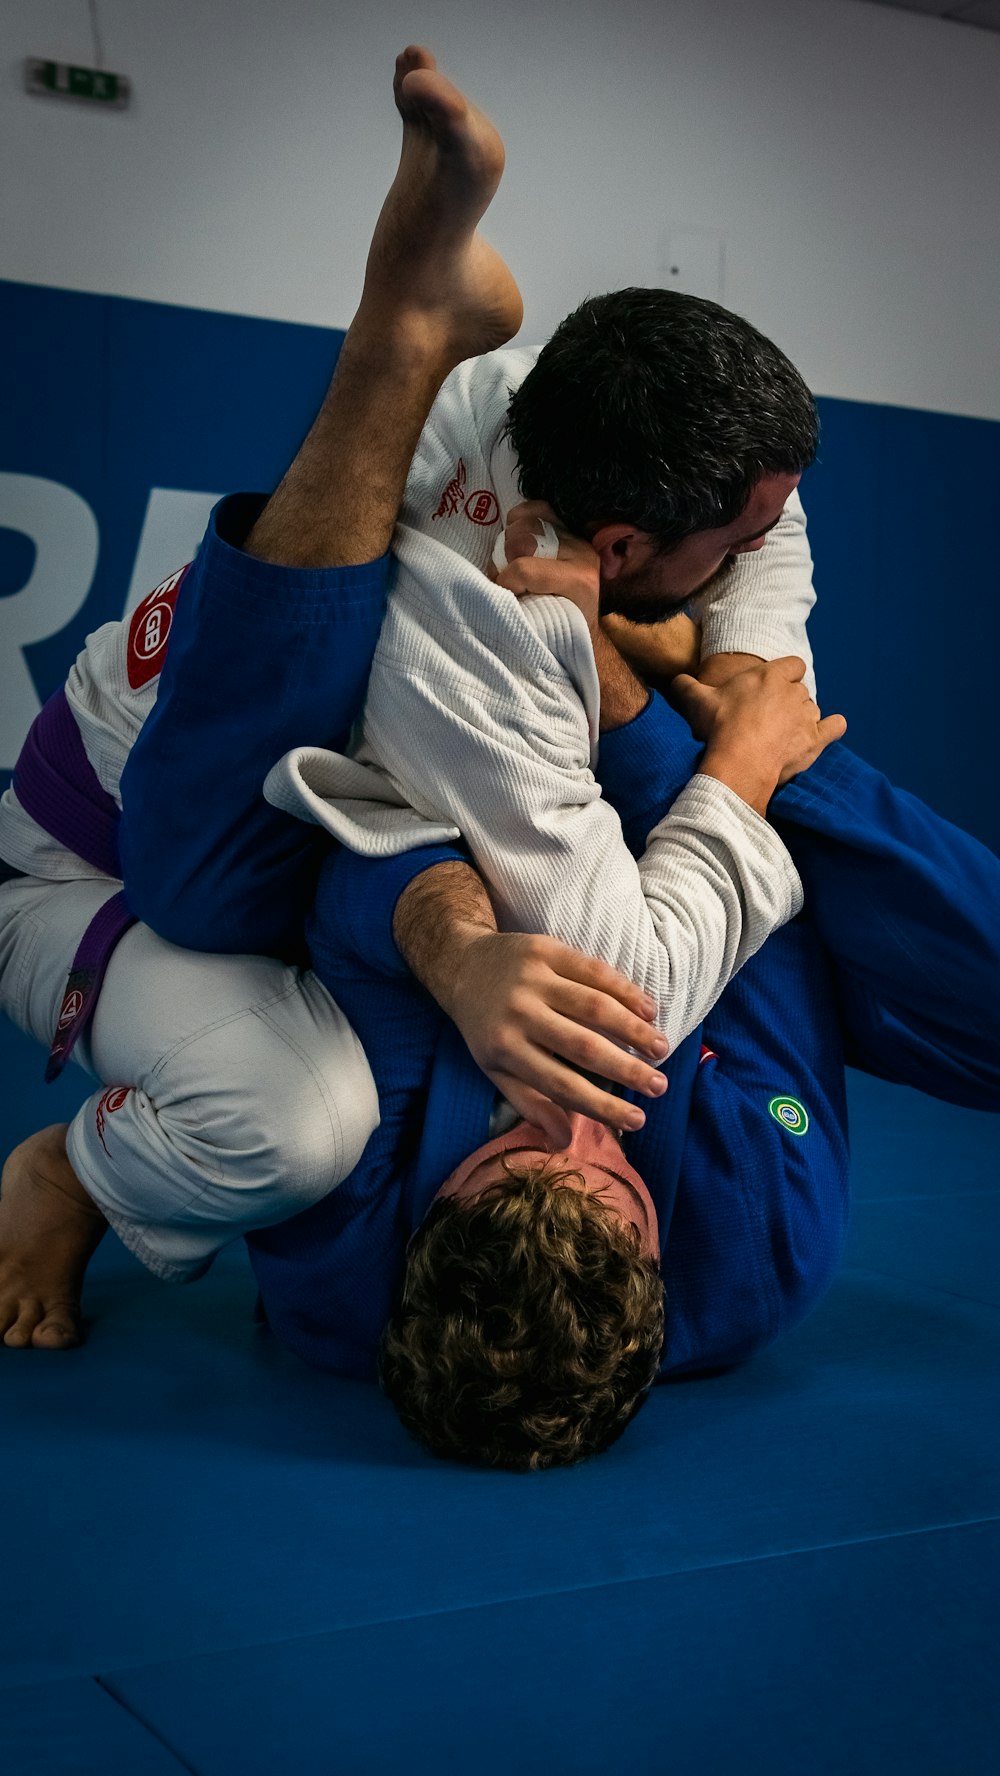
(61, 80)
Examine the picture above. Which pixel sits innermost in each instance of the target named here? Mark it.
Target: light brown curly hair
(530, 1325)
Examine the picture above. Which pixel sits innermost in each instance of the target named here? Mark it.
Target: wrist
(457, 955)
(754, 780)
(718, 669)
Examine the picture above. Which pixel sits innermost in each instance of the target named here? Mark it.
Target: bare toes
(58, 1331)
(412, 57)
(19, 1335)
(424, 96)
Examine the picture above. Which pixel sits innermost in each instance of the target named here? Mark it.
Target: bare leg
(49, 1231)
(434, 294)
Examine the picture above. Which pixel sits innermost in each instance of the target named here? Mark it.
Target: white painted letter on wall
(64, 531)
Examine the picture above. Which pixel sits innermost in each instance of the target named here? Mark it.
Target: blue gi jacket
(752, 1215)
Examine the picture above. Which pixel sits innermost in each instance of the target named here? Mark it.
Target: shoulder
(471, 409)
(482, 387)
(460, 482)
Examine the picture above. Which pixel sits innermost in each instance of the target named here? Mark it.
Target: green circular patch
(791, 1114)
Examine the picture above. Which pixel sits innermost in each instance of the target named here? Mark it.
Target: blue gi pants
(261, 658)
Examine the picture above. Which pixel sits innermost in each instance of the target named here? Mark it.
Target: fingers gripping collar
(546, 547)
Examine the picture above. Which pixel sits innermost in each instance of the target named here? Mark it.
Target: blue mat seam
(914, 1283)
(104, 1684)
(500, 1602)
(924, 1196)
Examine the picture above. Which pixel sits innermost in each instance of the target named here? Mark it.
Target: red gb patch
(482, 507)
(149, 631)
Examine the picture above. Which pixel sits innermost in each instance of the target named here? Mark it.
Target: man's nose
(581, 1127)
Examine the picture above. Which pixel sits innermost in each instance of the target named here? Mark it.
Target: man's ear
(621, 547)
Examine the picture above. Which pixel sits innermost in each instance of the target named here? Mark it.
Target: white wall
(846, 152)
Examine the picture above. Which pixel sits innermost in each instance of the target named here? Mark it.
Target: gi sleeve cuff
(357, 904)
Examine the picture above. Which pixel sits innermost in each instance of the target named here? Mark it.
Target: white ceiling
(985, 14)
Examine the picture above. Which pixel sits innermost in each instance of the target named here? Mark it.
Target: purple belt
(55, 783)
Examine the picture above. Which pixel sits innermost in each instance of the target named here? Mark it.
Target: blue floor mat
(794, 1563)
(76, 1729)
(770, 1665)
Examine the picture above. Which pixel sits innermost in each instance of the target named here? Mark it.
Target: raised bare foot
(427, 267)
(49, 1230)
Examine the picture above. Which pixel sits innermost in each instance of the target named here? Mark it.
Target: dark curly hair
(653, 408)
(530, 1326)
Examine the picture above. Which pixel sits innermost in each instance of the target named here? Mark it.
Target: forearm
(749, 774)
(436, 917)
(624, 695)
(656, 652)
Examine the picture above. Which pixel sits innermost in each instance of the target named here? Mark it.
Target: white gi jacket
(482, 720)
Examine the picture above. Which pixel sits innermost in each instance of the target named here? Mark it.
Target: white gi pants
(234, 1092)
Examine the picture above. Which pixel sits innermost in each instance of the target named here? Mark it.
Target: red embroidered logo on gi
(108, 1104)
(153, 630)
(482, 507)
(707, 1054)
(72, 1006)
(149, 631)
(451, 499)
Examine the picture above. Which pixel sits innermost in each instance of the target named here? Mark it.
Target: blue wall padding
(903, 513)
(113, 397)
